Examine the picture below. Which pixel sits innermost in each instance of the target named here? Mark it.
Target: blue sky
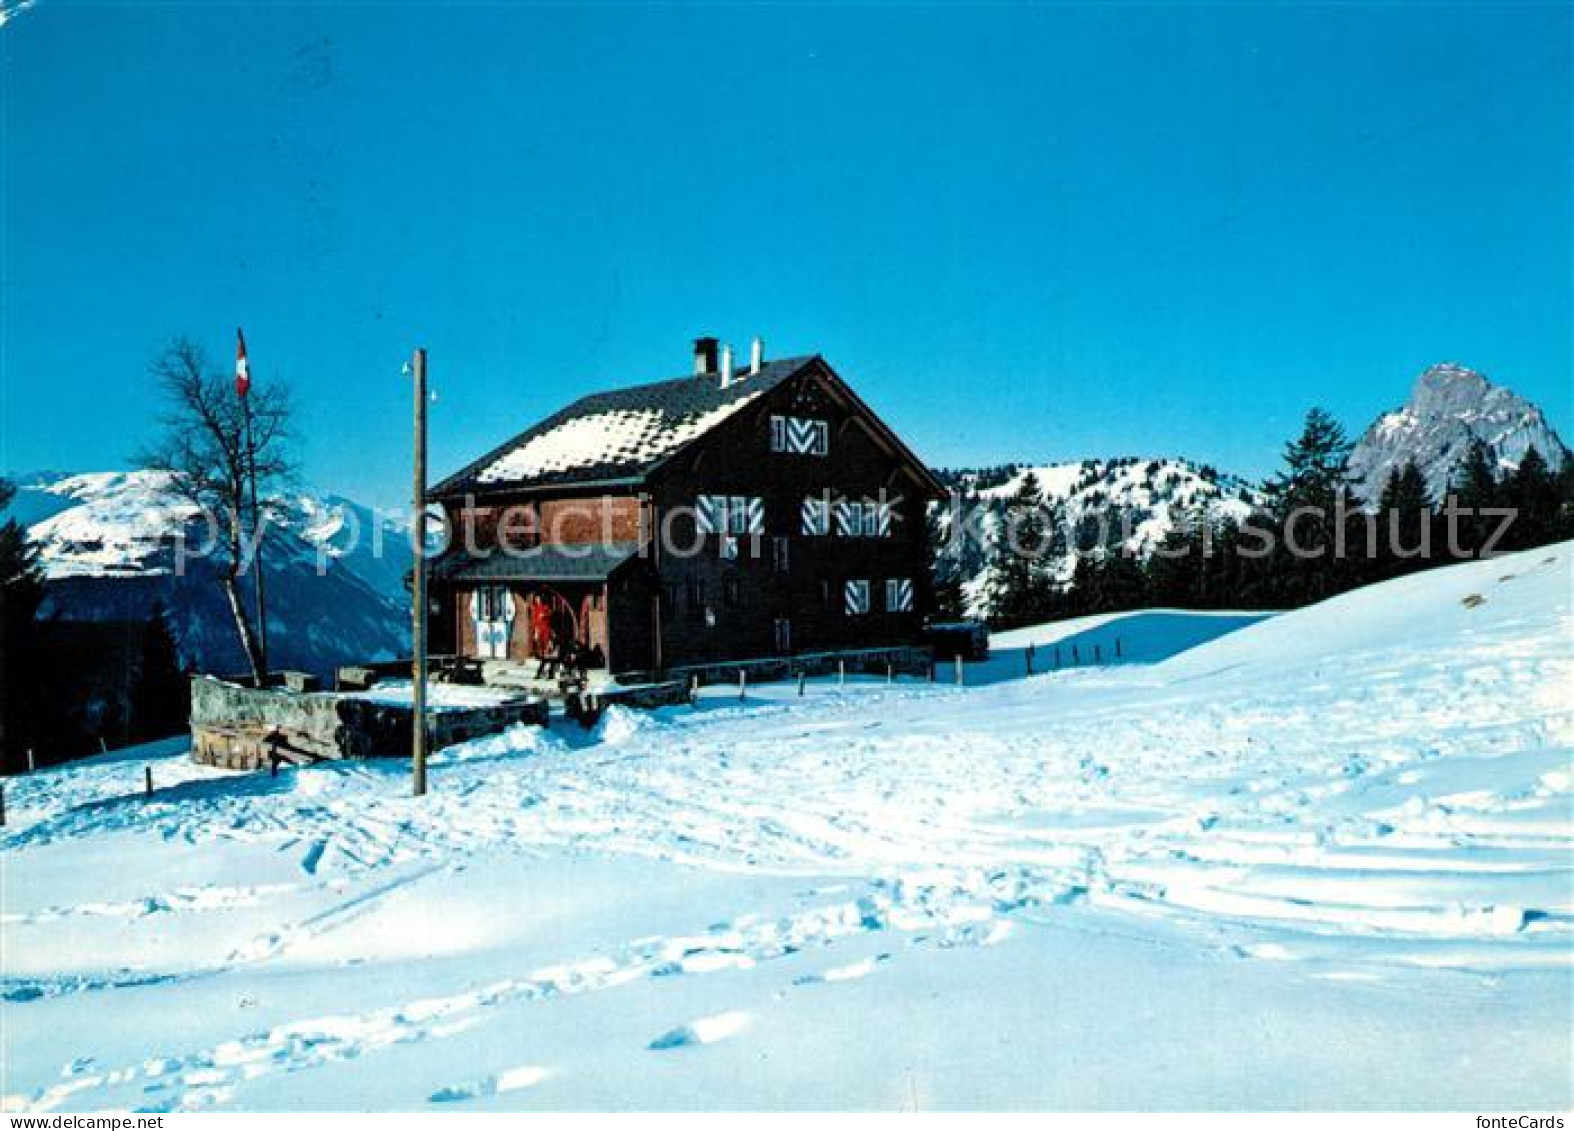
(1021, 232)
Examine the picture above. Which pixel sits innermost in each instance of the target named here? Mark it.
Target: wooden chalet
(731, 514)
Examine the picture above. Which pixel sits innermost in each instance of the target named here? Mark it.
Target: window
(798, 436)
(815, 516)
(779, 554)
(849, 519)
(899, 595)
(855, 598)
(871, 520)
(729, 547)
(710, 514)
(729, 514)
(863, 519)
(738, 515)
(493, 603)
(730, 593)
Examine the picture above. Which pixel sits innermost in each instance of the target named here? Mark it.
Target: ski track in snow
(1358, 812)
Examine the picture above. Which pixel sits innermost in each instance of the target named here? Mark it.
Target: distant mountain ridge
(1145, 496)
(334, 569)
(1450, 407)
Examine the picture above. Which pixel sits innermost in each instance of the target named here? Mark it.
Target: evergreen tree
(23, 655)
(1306, 502)
(1315, 467)
(160, 698)
(1024, 554)
(1532, 491)
(1474, 488)
(1404, 520)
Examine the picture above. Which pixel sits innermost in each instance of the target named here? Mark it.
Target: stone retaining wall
(325, 724)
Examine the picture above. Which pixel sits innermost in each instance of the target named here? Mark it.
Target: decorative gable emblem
(798, 435)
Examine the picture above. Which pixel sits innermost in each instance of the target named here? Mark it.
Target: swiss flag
(242, 370)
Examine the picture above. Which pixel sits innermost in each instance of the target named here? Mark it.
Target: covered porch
(525, 614)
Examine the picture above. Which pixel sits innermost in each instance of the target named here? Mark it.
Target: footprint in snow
(843, 973)
(703, 1031)
(511, 1080)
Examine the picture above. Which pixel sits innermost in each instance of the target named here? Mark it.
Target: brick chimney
(705, 356)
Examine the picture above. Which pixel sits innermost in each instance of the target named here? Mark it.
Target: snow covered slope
(335, 569)
(1143, 499)
(1325, 859)
(1449, 408)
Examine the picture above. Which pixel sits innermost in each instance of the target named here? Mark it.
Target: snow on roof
(621, 433)
(620, 436)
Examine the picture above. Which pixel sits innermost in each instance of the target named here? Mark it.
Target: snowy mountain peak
(107, 546)
(1449, 383)
(1450, 407)
(1148, 495)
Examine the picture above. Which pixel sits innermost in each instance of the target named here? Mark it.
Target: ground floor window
(855, 597)
(899, 595)
(492, 611)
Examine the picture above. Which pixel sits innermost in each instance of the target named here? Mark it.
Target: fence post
(743, 682)
(30, 766)
(959, 669)
(841, 673)
(931, 669)
(1075, 657)
(694, 690)
(800, 685)
(890, 672)
(2, 805)
(1098, 654)
(1028, 656)
(1117, 647)
(147, 780)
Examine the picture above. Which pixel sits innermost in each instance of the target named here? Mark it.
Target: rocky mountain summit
(1451, 407)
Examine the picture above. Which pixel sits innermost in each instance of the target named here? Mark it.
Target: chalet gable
(624, 437)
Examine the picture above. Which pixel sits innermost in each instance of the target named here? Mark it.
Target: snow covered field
(1323, 860)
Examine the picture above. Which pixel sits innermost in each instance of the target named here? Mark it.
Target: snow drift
(1323, 859)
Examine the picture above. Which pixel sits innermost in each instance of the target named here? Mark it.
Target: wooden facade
(794, 523)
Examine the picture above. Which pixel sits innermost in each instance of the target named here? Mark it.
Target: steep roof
(588, 562)
(621, 434)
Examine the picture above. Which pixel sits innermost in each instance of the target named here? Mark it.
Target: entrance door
(492, 608)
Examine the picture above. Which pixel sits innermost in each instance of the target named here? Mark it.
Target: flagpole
(259, 586)
(258, 526)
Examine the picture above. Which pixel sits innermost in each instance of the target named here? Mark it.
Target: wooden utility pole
(418, 582)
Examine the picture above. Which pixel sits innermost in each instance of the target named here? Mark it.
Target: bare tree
(202, 444)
